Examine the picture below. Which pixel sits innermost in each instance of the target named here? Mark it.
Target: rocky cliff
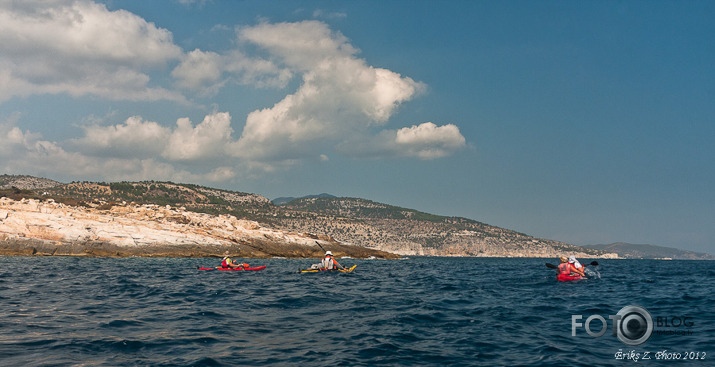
(30, 226)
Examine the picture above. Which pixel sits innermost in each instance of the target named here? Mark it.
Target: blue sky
(585, 122)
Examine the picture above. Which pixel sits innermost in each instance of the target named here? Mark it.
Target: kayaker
(567, 268)
(564, 267)
(228, 263)
(563, 272)
(329, 263)
(577, 265)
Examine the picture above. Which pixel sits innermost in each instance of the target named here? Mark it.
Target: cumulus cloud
(341, 103)
(199, 69)
(134, 137)
(340, 93)
(12, 138)
(24, 152)
(207, 72)
(429, 141)
(208, 140)
(80, 48)
(257, 72)
(424, 141)
(341, 97)
(301, 45)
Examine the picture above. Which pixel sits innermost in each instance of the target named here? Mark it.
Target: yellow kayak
(347, 270)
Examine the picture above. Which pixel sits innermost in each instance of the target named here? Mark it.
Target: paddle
(321, 247)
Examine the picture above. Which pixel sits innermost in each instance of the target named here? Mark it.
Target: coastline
(35, 247)
(48, 228)
(33, 227)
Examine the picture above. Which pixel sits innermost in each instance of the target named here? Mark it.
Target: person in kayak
(329, 263)
(577, 265)
(228, 263)
(567, 269)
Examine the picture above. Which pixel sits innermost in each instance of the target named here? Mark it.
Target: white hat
(328, 253)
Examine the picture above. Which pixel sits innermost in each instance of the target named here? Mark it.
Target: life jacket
(565, 268)
(225, 262)
(327, 263)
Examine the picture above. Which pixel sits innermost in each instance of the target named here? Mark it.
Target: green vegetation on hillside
(360, 208)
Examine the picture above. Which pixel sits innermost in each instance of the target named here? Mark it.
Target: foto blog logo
(633, 325)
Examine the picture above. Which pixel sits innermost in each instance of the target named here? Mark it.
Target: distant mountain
(634, 251)
(288, 199)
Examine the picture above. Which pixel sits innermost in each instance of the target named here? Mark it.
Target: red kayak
(566, 277)
(252, 268)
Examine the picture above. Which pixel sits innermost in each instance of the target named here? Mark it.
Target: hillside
(351, 221)
(408, 231)
(26, 182)
(287, 199)
(636, 251)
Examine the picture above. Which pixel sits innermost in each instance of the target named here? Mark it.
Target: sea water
(69, 311)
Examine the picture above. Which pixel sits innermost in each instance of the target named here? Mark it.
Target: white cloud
(135, 137)
(147, 139)
(80, 48)
(301, 45)
(256, 72)
(429, 141)
(12, 137)
(340, 94)
(198, 69)
(127, 151)
(424, 141)
(207, 72)
(23, 151)
(27, 153)
(208, 140)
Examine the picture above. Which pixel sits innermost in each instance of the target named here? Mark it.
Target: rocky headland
(41, 216)
(34, 227)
